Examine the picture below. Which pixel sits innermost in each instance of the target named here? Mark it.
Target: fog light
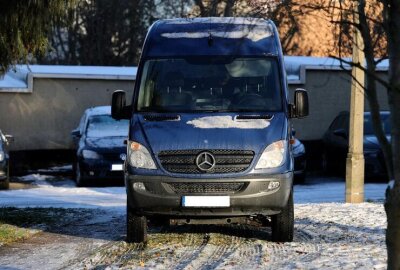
(2, 173)
(273, 185)
(139, 186)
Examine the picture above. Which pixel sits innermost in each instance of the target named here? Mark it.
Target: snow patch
(38, 179)
(228, 122)
(255, 34)
(219, 20)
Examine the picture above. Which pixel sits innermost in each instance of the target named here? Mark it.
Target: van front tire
(136, 227)
(283, 223)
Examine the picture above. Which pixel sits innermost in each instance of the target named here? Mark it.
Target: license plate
(116, 167)
(205, 201)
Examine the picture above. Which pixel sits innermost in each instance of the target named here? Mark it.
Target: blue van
(210, 127)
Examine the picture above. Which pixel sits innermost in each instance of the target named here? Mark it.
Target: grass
(18, 224)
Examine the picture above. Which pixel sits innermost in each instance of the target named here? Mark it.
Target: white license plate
(116, 167)
(205, 201)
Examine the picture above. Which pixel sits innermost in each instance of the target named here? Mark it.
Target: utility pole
(355, 156)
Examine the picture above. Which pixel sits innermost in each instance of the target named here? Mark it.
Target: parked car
(210, 127)
(5, 140)
(299, 155)
(100, 148)
(336, 143)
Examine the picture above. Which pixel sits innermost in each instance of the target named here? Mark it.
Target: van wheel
(5, 184)
(136, 227)
(79, 179)
(283, 223)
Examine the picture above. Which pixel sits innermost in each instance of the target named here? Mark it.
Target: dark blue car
(4, 160)
(210, 126)
(336, 145)
(101, 151)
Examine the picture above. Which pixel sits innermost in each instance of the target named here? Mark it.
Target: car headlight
(1, 155)
(89, 154)
(273, 156)
(139, 156)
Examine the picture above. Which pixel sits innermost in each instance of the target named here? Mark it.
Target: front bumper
(101, 169)
(159, 195)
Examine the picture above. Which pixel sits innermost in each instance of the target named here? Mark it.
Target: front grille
(213, 188)
(226, 161)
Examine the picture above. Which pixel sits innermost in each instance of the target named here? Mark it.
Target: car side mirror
(76, 133)
(9, 139)
(341, 133)
(119, 110)
(300, 103)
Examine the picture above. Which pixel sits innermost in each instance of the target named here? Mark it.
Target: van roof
(212, 36)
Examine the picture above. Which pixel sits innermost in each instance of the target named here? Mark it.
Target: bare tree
(101, 32)
(379, 25)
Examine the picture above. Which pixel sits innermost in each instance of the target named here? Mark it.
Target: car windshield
(368, 124)
(204, 84)
(105, 126)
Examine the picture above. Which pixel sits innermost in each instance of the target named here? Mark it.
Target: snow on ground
(66, 195)
(329, 234)
(63, 194)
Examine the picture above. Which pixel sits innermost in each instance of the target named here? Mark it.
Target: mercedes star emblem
(205, 161)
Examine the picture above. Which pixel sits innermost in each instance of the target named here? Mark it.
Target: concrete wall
(44, 118)
(329, 94)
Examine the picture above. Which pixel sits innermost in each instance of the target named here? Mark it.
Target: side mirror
(76, 133)
(341, 133)
(300, 103)
(119, 110)
(9, 138)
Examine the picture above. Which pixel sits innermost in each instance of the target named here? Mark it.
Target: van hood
(206, 131)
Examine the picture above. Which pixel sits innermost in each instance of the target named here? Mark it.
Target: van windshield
(204, 84)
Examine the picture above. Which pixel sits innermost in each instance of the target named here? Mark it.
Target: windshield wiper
(158, 117)
(256, 116)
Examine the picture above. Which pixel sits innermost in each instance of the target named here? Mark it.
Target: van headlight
(1, 156)
(89, 154)
(273, 156)
(139, 156)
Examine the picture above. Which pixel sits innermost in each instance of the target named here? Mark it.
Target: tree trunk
(392, 203)
(371, 90)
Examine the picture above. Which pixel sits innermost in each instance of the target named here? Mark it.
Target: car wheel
(326, 167)
(282, 224)
(79, 179)
(136, 227)
(6, 183)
